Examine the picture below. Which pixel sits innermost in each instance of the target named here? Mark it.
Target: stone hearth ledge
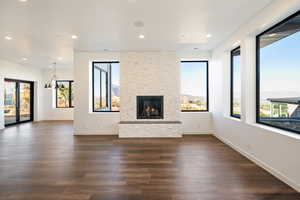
(150, 129)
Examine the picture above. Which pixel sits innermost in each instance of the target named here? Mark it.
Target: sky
(193, 78)
(237, 78)
(280, 65)
(115, 78)
(115, 73)
(279, 69)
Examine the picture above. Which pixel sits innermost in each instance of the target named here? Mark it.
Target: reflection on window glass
(25, 101)
(96, 83)
(115, 87)
(236, 83)
(64, 94)
(10, 103)
(106, 86)
(194, 94)
(279, 69)
(72, 94)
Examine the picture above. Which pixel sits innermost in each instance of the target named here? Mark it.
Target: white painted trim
(260, 163)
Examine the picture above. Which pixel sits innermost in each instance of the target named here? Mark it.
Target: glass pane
(279, 76)
(236, 84)
(63, 94)
(194, 86)
(25, 101)
(72, 94)
(10, 102)
(115, 87)
(106, 86)
(96, 83)
(104, 90)
(102, 66)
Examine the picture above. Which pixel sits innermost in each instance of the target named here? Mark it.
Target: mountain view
(189, 102)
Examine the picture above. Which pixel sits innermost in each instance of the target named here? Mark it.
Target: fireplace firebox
(150, 107)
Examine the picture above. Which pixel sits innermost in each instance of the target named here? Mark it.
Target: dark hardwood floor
(43, 161)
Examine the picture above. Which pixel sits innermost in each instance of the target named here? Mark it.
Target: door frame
(18, 81)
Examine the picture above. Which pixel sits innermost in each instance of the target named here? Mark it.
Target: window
(194, 86)
(278, 69)
(235, 89)
(106, 86)
(64, 94)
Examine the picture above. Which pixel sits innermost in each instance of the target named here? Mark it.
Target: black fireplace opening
(150, 107)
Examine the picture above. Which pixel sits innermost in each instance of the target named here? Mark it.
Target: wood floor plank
(44, 161)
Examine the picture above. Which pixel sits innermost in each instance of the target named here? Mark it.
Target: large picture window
(106, 86)
(194, 86)
(64, 94)
(235, 89)
(278, 70)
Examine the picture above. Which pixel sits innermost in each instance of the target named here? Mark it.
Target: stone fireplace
(150, 95)
(150, 107)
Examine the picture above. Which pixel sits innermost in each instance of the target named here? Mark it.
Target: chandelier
(52, 83)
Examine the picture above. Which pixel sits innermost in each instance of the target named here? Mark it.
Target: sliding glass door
(18, 101)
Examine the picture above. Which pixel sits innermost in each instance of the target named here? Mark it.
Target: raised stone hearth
(150, 129)
(150, 93)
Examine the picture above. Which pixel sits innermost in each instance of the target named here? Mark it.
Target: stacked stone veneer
(150, 73)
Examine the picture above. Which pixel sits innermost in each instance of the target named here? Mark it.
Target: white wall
(275, 150)
(197, 123)
(50, 110)
(86, 122)
(21, 72)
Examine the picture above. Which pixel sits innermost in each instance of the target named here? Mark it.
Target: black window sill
(236, 116)
(106, 111)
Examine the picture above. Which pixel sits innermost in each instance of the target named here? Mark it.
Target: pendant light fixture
(52, 82)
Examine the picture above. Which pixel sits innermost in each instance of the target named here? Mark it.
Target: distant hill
(192, 98)
(285, 94)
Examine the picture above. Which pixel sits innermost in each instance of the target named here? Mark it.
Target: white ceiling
(42, 29)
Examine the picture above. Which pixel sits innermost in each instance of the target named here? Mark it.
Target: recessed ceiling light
(23, 0)
(141, 36)
(208, 35)
(24, 59)
(59, 58)
(8, 38)
(74, 37)
(272, 35)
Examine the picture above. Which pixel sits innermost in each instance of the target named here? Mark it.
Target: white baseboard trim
(263, 165)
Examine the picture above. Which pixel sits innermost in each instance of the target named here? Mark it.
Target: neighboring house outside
(291, 106)
(285, 113)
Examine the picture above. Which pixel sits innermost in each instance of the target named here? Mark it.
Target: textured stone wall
(150, 73)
